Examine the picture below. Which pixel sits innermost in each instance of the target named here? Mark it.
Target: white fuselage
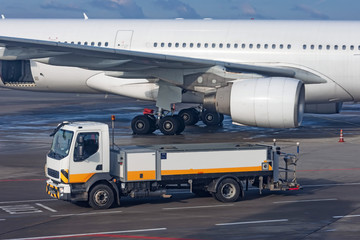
(329, 49)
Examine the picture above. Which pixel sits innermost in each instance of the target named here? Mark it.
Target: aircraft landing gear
(148, 123)
(212, 118)
(190, 115)
(143, 124)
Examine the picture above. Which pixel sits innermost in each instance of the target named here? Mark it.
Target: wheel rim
(186, 117)
(168, 126)
(209, 117)
(139, 125)
(228, 190)
(101, 197)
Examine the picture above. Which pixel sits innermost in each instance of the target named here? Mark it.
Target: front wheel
(228, 190)
(101, 197)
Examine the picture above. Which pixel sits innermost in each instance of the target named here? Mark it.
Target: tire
(101, 197)
(228, 190)
(141, 125)
(190, 116)
(169, 125)
(152, 123)
(181, 124)
(210, 118)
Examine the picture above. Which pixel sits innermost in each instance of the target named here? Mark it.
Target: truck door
(87, 158)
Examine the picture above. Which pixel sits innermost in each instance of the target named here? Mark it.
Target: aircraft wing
(109, 59)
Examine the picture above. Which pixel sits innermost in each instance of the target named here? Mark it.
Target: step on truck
(83, 164)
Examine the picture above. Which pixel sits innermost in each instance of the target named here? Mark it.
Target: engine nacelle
(274, 102)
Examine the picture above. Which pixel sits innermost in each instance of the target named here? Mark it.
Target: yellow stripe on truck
(211, 170)
(141, 175)
(80, 178)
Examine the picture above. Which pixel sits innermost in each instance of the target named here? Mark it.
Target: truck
(84, 164)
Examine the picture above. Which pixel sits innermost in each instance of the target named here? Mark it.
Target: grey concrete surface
(328, 206)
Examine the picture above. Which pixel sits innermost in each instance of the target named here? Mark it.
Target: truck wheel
(228, 190)
(101, 197)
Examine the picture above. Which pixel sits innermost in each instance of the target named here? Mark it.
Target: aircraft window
(327, 47)
(79, 43)
(251, 45)
(244, 45)
(312, 47)
(191, 45)
(220, 45)
(236, 45)
(336, 47)
(155, 44)
(258, 46)
(72, 42)
(184, 45)
(281, 46)
(228, 45)
(343, 47)
(85, 43)
(169, 44)
(289, 46)
(266, 46)
(273, 46)
(106, 44)
(320, 47)
(99, 44)
(213, 45)
(162, 44)
(304, 46)
(92, 43)
(199, 45)
(177, 44)
(359, 47)
(206, 45)
(352, 47)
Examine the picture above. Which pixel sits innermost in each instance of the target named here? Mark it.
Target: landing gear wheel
(190, 116)
(142, 124)
(181, 124)
(101, 197)
(169, 125)
(228, 190)
(211, 118)
(152, 123)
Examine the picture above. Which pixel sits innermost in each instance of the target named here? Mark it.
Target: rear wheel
(228, 190)
(101, 197)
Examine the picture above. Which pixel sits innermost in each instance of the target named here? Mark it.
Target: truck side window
(86, 145)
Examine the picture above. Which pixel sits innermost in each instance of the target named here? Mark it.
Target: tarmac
(328, 206)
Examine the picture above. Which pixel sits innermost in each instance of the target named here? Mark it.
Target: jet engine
(273, 102)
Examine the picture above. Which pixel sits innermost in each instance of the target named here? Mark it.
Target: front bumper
(59, 191)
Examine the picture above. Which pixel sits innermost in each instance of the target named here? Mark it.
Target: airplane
(261, 73)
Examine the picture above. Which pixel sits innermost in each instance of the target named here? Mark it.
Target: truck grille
(53, 173)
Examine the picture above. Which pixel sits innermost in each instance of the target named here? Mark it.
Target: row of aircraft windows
(252, 46)
(99, 44)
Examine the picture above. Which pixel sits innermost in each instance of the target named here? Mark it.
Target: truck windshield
(61, 144)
